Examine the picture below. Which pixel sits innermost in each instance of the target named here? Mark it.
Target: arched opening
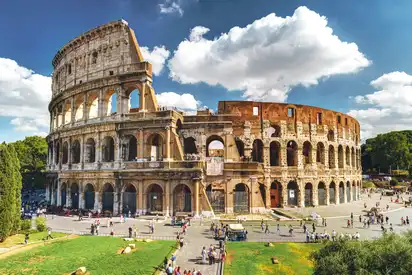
(65, 152)
(57, 153)
(320, 153)
(241, 198)
(63, 194)
(129, 199)
(348, 191)
(189, 145)
(332, 192)
(274, 153)
(293, 193)
(292, 153)
(89, 196)
(130, 148)
(274, 131)
(154, 198)
(134, 102)
(75, 195)
(321, 193)
(93, 104)
(307, 152)
(341, 192)
(108, 197)
(340, 156)
(215, 147)
(275, 193)
(216, 198)
(353, 157)
(308, 194)
(240, 147)
(156, 147)
(331, 135)
(354, 197)
(75, 152)
(331, 156)
(108, 149)
(90, 151)
(347, 156)
(257, 151)
(182, 199)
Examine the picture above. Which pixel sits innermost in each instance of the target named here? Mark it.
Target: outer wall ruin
(112, 148)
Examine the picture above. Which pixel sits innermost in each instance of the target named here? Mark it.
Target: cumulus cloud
(184, 102)
(157, 57)
(24, 97)
(268, 57)
(389, 108)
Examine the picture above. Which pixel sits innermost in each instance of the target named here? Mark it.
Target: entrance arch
(89, 196)
(182, 199)
(75, 195)
(63, 193)
(216, 198)
(241, 198)
(154, 198)
(129, 199)
(275, 193)
(341, 192)
(108, 197)
(293, 193)
(321, 193)
(332, 192)
(308, 194)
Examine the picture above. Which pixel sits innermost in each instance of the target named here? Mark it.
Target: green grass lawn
(34, 237)
(246, 258)
(97, 254)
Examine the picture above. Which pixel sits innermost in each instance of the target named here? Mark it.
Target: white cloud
(268, 57)
(24, 97)
(185, 102)
(157, 57)
(169, 7)
(389, 108)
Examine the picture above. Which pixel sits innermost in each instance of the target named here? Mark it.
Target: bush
(25, 225)
(41, 224)
(394, 182)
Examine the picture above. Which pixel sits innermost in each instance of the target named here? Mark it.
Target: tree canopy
(387, 152)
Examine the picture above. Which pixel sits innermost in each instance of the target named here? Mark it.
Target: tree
(390, 254)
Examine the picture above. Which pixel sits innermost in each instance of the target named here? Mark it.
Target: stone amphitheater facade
(107, 154)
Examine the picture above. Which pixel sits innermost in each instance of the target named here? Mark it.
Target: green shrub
(25, 225)
(41, 224)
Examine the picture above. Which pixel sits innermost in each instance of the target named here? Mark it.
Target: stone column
(167, 128)
(96, 201)
(168, 206)
(197, 197)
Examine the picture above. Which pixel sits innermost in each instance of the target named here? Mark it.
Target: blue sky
(301, 60)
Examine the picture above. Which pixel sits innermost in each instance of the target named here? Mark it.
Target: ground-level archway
(308, 194)
(216, 198)
(75, 195)
(108, 197)
(182, 199)
(129, 199)
(241, 198)
(154, 198)
(293, 193)
(332, 193)
(341, 192)
(321, 193)
(275, 193)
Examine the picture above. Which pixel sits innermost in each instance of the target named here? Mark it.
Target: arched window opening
(320, 153)
(75, 152)
(189, 145)
(215, 147)
(134, 102)
(108, 149)
(332, 188)
(240, 147)
(308, 194)
(108, 197)
(347, 156)
(90, 151)
(257, 151)
(331, 156)
(241, 198)
(156, 147)
(154, 198)
(331, 135)
(182, 199)
(129, 199)
(340, 156)
(89, 196)
(292, 153)
(293, 193)
(321, 193)
(65, 152)
(274, 153)
(307, 152)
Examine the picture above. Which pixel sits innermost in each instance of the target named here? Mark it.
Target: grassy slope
(97, 254)
(19, 238)
(255, 258)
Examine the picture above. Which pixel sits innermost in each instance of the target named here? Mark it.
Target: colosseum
(113, 148)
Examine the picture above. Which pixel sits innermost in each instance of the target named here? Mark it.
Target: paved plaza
(199, 235)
